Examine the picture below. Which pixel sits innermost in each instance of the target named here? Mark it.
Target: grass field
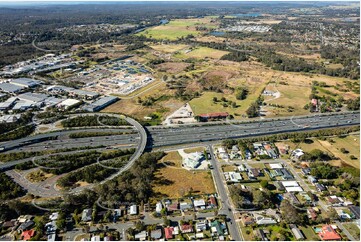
(353, 229)
(205, 104)
(177, 29)
(294, 96)
(172, 181)
(202, 52)
(195, 149)
(167, 48)
(129, 106)
(350, 143)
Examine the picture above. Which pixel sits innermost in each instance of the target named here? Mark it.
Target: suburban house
(217, 227)
(312, 214)
(133, 210)
(168, 232)
(328, 233)
(156, 234)
(201, 226)
(312, 179)
(233, 176)
(297, 153)
(172, 207)
(320, 187)
(158, 207)
(199, 204)
(86, 215)
(141, 236)
(212, 201)
(306, 171)
(185, 206)
(247, 219)
(254, 173)
(297, 232)
(27, 234)
(186, 228)
(261, 220)
(26, 225)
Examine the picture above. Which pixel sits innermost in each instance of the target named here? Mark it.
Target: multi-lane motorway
(160, 136)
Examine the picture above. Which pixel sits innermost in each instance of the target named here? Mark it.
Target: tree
(166, 222)
(289, 213)
(252, 111)
(264, 183)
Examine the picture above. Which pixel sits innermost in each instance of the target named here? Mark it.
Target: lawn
(202, 52)
(353, 229)
(350, 143)
(195, 149)
(167, 48)
(205, 104)
(177, 29)
(172, 181)
(228, 168)
(129, 106)
(294, 96)
(309, 233)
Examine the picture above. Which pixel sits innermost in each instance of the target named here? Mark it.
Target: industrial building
(100, 104)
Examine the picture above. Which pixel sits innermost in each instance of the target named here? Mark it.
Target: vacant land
(333, 146)
(169, 48)
(173, 181)
(202, 53)
(178, 28)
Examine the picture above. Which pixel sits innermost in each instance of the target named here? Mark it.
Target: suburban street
(226, 208)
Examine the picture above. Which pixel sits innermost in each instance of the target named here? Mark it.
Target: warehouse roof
(25, 82)
(12, 88)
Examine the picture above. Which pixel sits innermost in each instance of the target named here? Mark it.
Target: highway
(160, 136)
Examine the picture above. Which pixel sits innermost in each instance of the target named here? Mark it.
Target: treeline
(96, 134)
(93, 173)
(237, 56)
(60, 164)
(284, 63)
(349, 59)
(251, 198)
(94, 120)
(346, 178)
(18, 133)
(9, 189)
(317, 155)
(6, 157)
(133, 185)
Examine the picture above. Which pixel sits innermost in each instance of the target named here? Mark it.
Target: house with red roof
(328, 233)
(169, 232)
(28, 234)
(186, 228)
(212, 201)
